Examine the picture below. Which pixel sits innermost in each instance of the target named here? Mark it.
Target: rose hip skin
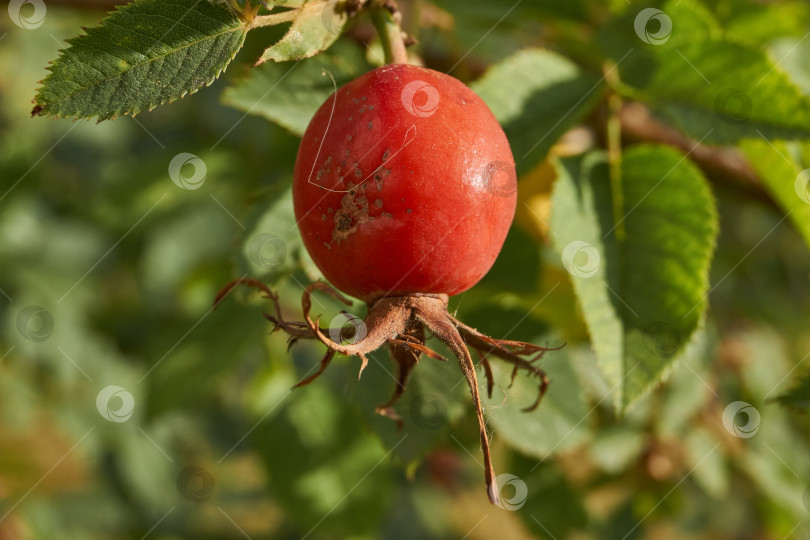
(404, 183)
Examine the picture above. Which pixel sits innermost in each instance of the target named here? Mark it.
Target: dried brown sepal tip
(400, 323)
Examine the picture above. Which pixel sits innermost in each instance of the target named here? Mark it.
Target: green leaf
(429, 407)
(537, 96)
(615, 447)
(557, 423)
(721, 92)
(641, 275)
(519, 251)
(144, 54)
(751, 21)
(317, 26)
(692, 21)
(288, 94)
(780, 164)
(709, 467)
(798, 397)
(273, 248)
(792, 54)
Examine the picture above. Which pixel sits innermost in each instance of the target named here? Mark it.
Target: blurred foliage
(108, 270)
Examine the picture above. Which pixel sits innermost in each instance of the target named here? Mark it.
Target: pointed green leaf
(144, 54)
(317, 26)
(537, 96)
(780, 165)
(289, 94)
(640, 274)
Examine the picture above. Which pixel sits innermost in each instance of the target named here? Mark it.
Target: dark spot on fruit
(330, 210)
(352, 212)
(347, 153)
(408, 211)
(363, 98)
(371, 125)
(378, 203)
(323, 217)
(379, 181)
(371, 107)
(387, 215)
(362, 109)
(342, 221)
(358, 173)
(385, 154)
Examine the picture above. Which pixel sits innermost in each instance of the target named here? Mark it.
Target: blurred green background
(130, 409)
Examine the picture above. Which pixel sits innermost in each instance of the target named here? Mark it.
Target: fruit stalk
(386, 19)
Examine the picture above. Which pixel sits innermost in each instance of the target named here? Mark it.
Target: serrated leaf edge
(41, 108)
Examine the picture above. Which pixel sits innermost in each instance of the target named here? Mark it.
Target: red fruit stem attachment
(400, 323)
(386, 17)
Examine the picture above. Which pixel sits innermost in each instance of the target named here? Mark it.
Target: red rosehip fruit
(404, 184)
